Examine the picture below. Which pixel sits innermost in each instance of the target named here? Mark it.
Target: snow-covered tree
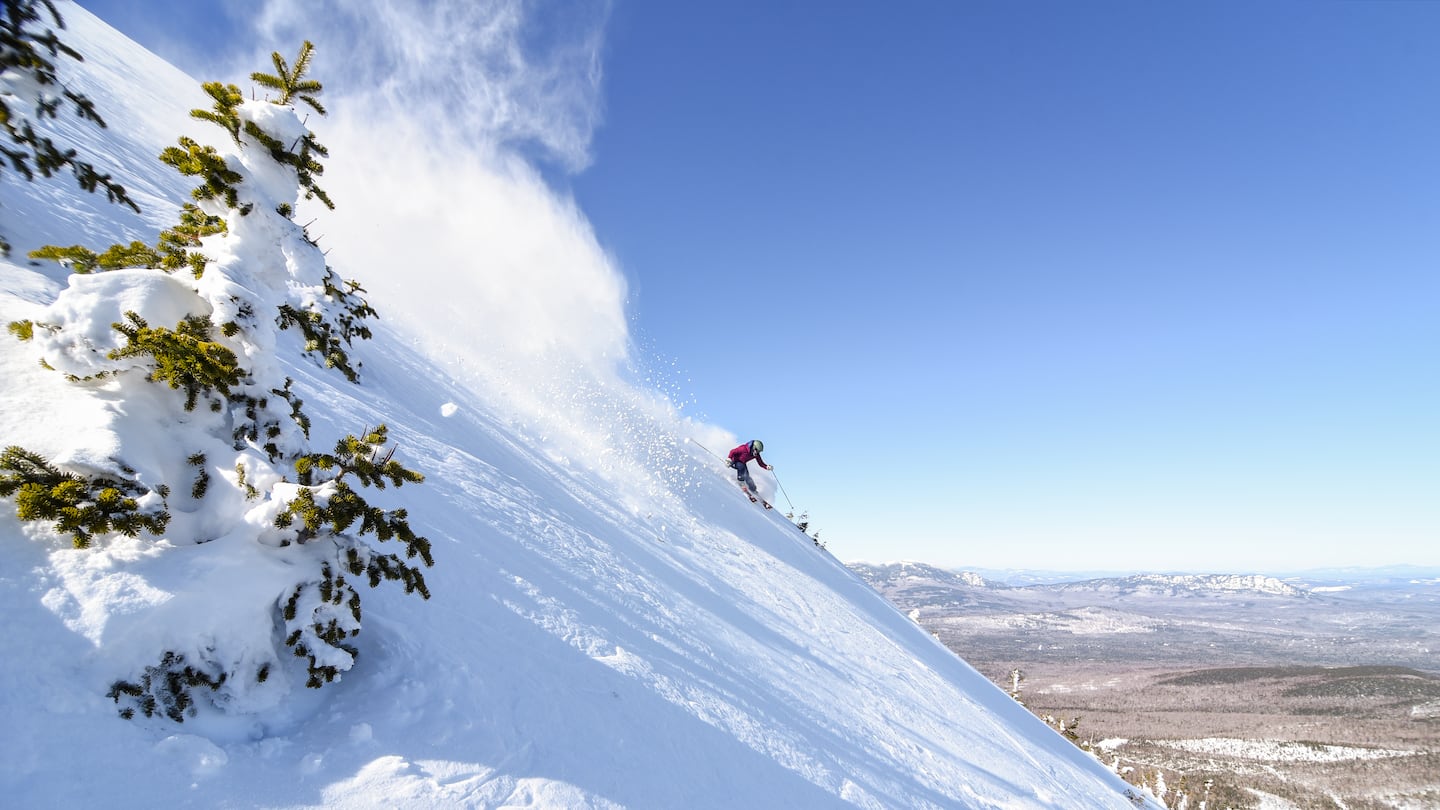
(188, 334)
(31, 91)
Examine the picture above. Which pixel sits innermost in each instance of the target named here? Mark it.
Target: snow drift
(612, 624)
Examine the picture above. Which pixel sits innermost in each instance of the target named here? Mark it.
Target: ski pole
(703, 447)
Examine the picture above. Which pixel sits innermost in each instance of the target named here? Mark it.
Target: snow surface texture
(613, 623)
(1282, 751)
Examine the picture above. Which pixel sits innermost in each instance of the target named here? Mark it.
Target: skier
(739, 461)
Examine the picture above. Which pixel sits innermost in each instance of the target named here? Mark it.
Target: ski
(754, 498)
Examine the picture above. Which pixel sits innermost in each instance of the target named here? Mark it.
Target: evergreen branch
(309, 98)
(79, 506)
(269, 81)
(78, 258)
(302, 61)
(287, 81)
(194, 160)
(22, 330)
(166, 688)
(184, 357)
(322, 338)
(171, 254)
(175, 243)
(225, 112)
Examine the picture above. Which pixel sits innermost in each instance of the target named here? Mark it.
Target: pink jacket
(742, 455)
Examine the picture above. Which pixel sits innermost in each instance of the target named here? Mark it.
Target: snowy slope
(612, 623)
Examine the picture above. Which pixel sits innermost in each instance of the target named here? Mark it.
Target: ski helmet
(757, 446)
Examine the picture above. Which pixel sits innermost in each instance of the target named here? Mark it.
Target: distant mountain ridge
(1185, 584)
(911, 574)
(914, 577)
(900, 572)
(1172, 618)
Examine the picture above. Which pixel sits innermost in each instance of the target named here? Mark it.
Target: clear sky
(1035, 284)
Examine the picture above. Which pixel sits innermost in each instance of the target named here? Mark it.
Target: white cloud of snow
(504, 72)
(435, 115)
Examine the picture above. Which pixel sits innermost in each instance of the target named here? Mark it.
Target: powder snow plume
(438, 117)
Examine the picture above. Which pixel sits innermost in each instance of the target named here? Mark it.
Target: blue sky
(1041, 284)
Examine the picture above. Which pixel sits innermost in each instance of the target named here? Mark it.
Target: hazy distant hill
(1315, 689)
(1174, 618)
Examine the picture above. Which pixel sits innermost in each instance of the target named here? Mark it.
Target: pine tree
(323, 525)
(292, 85)
(29, 52)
